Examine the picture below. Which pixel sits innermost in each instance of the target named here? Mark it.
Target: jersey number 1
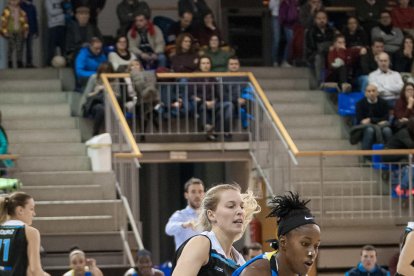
(6, 249)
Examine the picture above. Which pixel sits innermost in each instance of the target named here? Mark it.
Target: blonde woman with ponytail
(20, 242)
(225, 214)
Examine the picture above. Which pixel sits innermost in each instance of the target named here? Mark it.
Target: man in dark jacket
(79, 32)
(318, 40)
(31, 14)
(126, 11)
(197, 7)
(368, 264)
(372, 111)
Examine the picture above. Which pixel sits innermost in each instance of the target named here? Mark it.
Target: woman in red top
(404, 106)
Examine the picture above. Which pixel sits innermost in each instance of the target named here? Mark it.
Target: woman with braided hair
(19, 242)
(298, 238)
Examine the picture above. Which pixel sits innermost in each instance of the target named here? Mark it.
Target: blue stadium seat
(347, 103)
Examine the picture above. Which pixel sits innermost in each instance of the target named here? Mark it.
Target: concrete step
(18, 111)
(276, 72)
(284, 84)
(98, 241)
(44, 136)
(48, 149)
(29, 74)
(337, 203)
(285, 109)
(331, 144)
(312, 120)
(33, 85)
(71, 192)
(32, 98)
(336, 188)
(76, 224)
(333, 174)
(43, 123)
(54, 208)
(322, 132)
(66, 178)
(276, 96)
(54, 163)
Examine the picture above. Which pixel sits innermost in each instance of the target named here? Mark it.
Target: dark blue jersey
(13, 249)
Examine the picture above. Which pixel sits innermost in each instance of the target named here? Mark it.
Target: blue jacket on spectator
(87, 63)
(31, 14)
(361, 271)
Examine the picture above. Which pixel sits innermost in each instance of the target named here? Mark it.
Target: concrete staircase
(313, 125)
(74, 205)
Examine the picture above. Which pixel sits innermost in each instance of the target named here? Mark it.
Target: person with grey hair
(182, 223)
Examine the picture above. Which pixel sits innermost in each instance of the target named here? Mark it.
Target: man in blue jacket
(88, 60)
(368, 264)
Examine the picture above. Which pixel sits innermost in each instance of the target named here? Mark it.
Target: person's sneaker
(285, 64)
(208, 128)
(211, 137)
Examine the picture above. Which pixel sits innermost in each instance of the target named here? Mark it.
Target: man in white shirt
(388, 82)
(182, 224)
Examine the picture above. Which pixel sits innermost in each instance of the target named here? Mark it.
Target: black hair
(144, 253)
(291, 212)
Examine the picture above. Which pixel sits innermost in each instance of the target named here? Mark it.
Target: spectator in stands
(341, 62)
(56, 28)
(388, 82)
(403, 139)
(182, 224)
(368, 61)
(14, 28)
(405, 262)
(142, 93)
(92, 102)
(252, 250)
(80, 264)
(31, 13)
(308, 12)
(392, 36)
(403, 17)
(126, 10)
(372, 119)
(4, 149)
(183, 25)
(368, 13)
(368, 264)
(146, 41)
(121, 57)
(355, 35)
(224, 216)
(144, 266)
(88, 61)
(318, 41)
(207, 29)
(403, 58)
(185, 59)
(79, 32)
(404, 106)
(274, 9)
(198, 8)
(95, 7)
(288, 17)
(218, 56)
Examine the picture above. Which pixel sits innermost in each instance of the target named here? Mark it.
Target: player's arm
(406, 260)
(194, 255)
(33, 252)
